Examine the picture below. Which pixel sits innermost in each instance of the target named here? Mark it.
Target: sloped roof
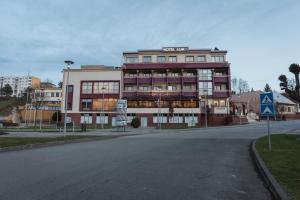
(279, 98)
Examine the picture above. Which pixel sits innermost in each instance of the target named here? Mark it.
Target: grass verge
(18, 141)
(283, 161)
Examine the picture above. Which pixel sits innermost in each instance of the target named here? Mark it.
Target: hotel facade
(173, 85)
(180, 82)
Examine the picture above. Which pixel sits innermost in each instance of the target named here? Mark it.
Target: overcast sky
(262, 36)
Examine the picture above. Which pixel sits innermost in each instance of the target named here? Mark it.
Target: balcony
(130, 80)
(129, 95)
(189, 79)
(157, 79)
(174, 79)
(221, 93)
(221, 79)
(190, 93)
(144, 80)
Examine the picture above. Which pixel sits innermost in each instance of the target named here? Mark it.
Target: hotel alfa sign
(175, 48)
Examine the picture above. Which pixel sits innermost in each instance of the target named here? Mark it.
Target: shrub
(135, 123)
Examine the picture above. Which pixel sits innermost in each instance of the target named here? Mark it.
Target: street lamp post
(41, 107)
(102, 109)
(159, 110)
(69, 63)
(205, 107)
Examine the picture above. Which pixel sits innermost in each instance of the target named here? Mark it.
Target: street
(206, 164)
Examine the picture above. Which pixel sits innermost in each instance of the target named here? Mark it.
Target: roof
(95, 68)
(175, 65)
(181, 50)
(248, 96)
(279, 98)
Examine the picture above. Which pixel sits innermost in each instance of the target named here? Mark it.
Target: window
(218, 58)
(147, 59)
(106, 104)
(205, 88)
(172, 58)
(132, 59)
(87, 88)
(201, 58)
(173, 74)
(146, 104)
(144, 88)
(57, 94)
(191, 117)
(176, 118)
(174, 87)
(86, 118)
(205, 74)
(106, 87)
(161, 59)
(102, 118)
(189, 104)
(221, 87)
(163, 118)
(86, 104)
(189, 59)
(70, 89)
(130, 88)
(189, 88)
(52, 94)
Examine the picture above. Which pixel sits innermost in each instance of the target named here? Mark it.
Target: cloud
(37, 36)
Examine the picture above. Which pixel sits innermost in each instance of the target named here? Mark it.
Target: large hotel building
(169, 85)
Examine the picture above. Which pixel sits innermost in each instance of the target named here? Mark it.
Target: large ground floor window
(86, 118)
(102, 118)
(108, 104)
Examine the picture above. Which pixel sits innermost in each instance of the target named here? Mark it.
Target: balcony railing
(145, 80)
(189, 79)
(221, 78)
(129, 80)
(221, 93)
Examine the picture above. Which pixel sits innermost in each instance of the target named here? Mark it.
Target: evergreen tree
(7, 90)
(267, 88)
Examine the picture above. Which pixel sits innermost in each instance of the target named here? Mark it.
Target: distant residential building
(47, 85)
(19, 83)
(249, 102)
(50, 98)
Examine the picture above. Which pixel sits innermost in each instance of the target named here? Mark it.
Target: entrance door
(144, 122)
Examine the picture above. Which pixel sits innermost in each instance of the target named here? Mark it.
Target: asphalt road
(197, 164)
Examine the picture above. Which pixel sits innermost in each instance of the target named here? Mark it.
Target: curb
(49, 144)
(273, 186)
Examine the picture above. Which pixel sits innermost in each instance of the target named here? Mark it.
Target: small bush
(135, 123)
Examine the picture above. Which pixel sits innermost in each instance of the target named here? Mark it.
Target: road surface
(206, 164)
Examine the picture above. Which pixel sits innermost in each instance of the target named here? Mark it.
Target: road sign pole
(269, 135)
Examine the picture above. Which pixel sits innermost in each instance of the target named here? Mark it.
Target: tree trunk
(297, 88)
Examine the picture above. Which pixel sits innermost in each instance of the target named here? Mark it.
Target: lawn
(283, 161)
(17, 141)
(6, 103)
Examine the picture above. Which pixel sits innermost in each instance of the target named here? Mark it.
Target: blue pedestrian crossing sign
(267, 104)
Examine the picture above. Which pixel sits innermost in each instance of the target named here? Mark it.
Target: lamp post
(205, 107)
(69, 63)
(41, 107)
(159, 110)
(102, 109)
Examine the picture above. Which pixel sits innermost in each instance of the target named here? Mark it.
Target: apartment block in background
(19, 83)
